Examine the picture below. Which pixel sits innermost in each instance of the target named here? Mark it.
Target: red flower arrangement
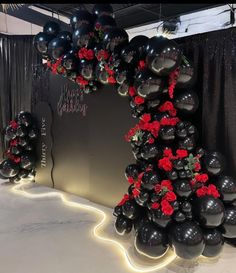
(168, 107)
(85, 53)
(165, 164)
(138, 100)
(210, 190)
(169, 121)
(81, 80)
(172, 82)
(56, 67)
(13, 124)
(102, 55)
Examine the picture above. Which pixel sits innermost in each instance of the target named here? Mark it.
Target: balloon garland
(21, 136)
(178, 197)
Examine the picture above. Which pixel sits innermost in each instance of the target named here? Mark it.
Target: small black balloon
(172, 175)
(151, 241)
(81, 17)
(132, 170)
(10, 133)
(179, 216)
(130, 54)
(86, 69)
(167, 133)
(227, 188)
(150, 151)
(83, 36)
(115, 38)
(23, 141)
(123, 89)
(186, 77)
(21, 131)
(69, 61)
(142, 198)
(188, 143)
(104, 22)
(58, 47)
(66, 35)
(16, 150)
(186, 102)
(214, 242)
(27, 161)
(9, 168)
(41, 42)
(51, 27)
(182, 188)
(123, 225)
(130, 209)
(213, 163)
(161, 219)
(118, 211)
(229, 225)
(150, 179)
(25, 118)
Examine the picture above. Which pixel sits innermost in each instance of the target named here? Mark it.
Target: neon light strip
(18, 189)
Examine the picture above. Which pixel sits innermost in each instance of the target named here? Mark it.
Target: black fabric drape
(214, 57)
(17, 58)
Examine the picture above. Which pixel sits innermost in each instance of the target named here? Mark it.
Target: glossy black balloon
(115, 38)
(132, 170)
(227, 188)
(58, 47)
(142, 199)
(130, 54)
(187, 239)
(101, 74)
(140, 221)
(27, 161)
(130, 209)
(140, 41)
(179, 216)
(16, 150)
(167, 133)
(51, 27)
(161, 219)
(172, 175)
(86, 69)
(182, 187)
(118, 211)
(66, 35)
(21, 131)
(163, 56)
(186, 102)
(104, 22)
(123, 225)
(229, 225)
(122, 73)
(9, 168)
(213, 163)
(103, 9)
(10, 133)
(151, 241)
(25, 118)
(150, 151)
(81, 17)
(150, 179)
(209, 211)
(41, 42)
(23, 141)
(214, 242)
(186, 77)
(188, 143)
(148, 85)
(69, 61)
(123, 89)
(83, 36)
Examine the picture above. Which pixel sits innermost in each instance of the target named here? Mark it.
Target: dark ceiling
(127, 15)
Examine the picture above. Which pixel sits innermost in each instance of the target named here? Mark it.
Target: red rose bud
(155, 205)
(167, 184)
(132, 91)
(130, 180)
(170, 196)
(142, 64)
(166, 208)
(168, 153)
(151, 140)
(182, 153)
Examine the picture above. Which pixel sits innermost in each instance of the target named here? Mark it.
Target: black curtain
(17, 61)
(214, 57)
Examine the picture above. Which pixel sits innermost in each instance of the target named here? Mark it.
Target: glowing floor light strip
(18, 189)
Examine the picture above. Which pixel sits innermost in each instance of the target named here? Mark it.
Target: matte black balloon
(81, 17)
(103, 9)
(187, 102)
(167, 133)
(159, 218)
(105, 22)
(10, 133)
(140, 41)
(25, 118)
(41, 42)
(163, 56)
(27, 161)
(229, 225)
(130, 209)
(83, 36)
(58, 47)
(214, 242)
(187, 239)
(66, 35)
(227, 188)
(186, 77)
(51, 27)
(21, 131)
(9, 168)
(151, 241)
(86, 69)
(132, 170)
(209, 211)
(148, 85)
(150, 179)
(118, 211)
(142, 199)
(123, 225)
(182, 188)
(150, 151)
(188, 143)
(115, 38)
(130, 54)
(213, 163)
(16, 150)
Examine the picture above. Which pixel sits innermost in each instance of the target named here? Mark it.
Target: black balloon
(83, 36)
(142, 199)
(186, 77)
(86, 69)
(140, 221)
(159, 218)
(229, 225)
(167, 133)
(16, 150)
(81, 17)
(51, 27)
(130, 54)
(23, 141)
(130, 209)
(32, 134)
(101, 74)
(213, 163)
(123, 89)
(123, 225)
(27, 161)
(23, 173)
(10, 133)
(9, 168)
(150, 151)
(105, 22)
(151, 241)
(227, 188)
(103, 9)
(179, 216)
(188, 143)
(186, 102)
(25, 118)
(58, 47)
(21, 131)
(132, 170)
(214, 242)
(209, 211)
(187, 239)
(140, 41)
(182, 188)
(118, 211)
(115, 38)
(41, 42)
(150, 179)
(163, 56)
(66, 35)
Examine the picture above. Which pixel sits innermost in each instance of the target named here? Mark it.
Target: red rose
(16, 159)
(97, 26)
(111, 80)
(167, 184)
(169, 121)
(197, 166)
(202, 191)
(165, 164)
(130, 180)
(102, 55)
(81, 80)
(168, 153)
(135, 192)
(212, 190)
(201, 178)
(155, 205)
(151, 140)
(138, 100)
(137, 185)
(141, 64)
(13, 142)
(181, 153)
(89, 55)
(132, 91)
(157, 188)
(108, 70)
(168, 106)
(166, 208)
(170, 196)
(146, 117)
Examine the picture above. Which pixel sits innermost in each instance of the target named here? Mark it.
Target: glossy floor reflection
(44, 235)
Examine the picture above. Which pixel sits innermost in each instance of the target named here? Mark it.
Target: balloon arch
(177, 196)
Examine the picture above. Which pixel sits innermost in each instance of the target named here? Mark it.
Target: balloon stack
(178, 196)
(21, 136)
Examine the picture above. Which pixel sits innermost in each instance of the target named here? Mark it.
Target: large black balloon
(25, 118)
(140, 41)
(10, 133)
(51, 27)
(148, 85)
(105, 22)
(209, 211)
(182, 188)
(58, 47)
(227, 188)
(82, 36)
(9, 168)
(213, 163)
(122, 73)
(186, 77)
(163, 56)
(123, 225)
(86, 69)
(150, 179)
(187, 239)
(130, 209)
(132, 170)
(186, 102)
(159, 218)
(151, 241)
(21, 131)
(41, 42)
(214, 242)
(229, 225)
(115, 38)
(140, 221)
(103, 9)
(81, 17)
(27, 161)
(66, 35)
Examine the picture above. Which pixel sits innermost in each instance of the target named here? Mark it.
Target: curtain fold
(17, 59)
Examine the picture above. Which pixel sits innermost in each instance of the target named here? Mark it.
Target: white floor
(45, 236)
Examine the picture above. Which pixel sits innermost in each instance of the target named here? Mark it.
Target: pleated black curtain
(17, 60)
(214, 57)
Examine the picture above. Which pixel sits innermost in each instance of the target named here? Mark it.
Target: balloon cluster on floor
(20, 136)
(178, 196)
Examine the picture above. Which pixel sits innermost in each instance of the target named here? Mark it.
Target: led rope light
(18, 189)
